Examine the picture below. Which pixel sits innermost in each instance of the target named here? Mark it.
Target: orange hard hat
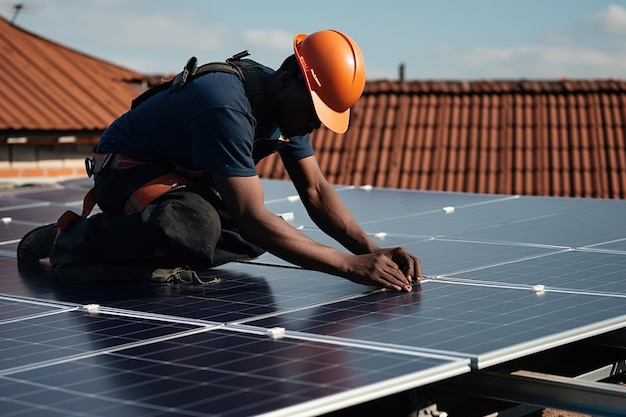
(334, 70)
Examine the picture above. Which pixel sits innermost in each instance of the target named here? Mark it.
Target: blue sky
(435, 39)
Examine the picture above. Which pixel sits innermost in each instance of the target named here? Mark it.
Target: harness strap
(244, 69)
(69, 216)
(89, 202)
(137, 201)
(100, 161)
(190, 71)
(151, 190)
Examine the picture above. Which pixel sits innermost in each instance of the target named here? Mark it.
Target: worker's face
(295, 114)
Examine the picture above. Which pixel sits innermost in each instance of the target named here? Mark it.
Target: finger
(385, 278)
(410, 270)
(392, 277)
(414, 268)
(407, 261)
(418, 270)
(396, 278)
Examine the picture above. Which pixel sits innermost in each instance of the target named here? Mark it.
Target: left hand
(408, 264)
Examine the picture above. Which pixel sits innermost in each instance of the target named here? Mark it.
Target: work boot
(37, 244)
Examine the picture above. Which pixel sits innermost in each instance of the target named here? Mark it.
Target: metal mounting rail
(546, 390)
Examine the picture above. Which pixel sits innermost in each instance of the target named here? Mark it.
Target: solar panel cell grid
(14, 310)
(465, 320)
(69, 333)
(567, 271)
(213, 372)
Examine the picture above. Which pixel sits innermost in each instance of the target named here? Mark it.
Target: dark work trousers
(186, 226)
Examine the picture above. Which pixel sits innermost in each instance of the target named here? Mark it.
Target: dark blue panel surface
(468, 320)
(70, 192)
(242, 291)
(617, 245)
(215, 373)
(38, 215)
(8, 202)
(442, 256)
(53, 337)
(523, 220)
(404, 205)
(569, 270)
(12, 310)
(378, 206)
(560, 222)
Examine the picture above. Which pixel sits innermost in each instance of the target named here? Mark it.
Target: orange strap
(89, 203)
(138, 200)
(151, 190)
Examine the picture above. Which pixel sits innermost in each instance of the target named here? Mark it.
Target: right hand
(377, 269)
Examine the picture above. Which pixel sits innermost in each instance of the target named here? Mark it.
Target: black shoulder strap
(191, 71)
(253, 81)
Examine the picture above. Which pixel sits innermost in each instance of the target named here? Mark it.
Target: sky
(431, 39)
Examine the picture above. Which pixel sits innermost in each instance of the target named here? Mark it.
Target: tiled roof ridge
(557, 137)
(522, 85)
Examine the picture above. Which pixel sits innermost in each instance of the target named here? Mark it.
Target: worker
(177, 186)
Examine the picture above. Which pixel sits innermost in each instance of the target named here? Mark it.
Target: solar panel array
(506, 276)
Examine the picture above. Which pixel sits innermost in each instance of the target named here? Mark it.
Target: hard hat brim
(335, 121)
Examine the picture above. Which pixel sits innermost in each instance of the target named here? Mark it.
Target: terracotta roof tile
(544, 137)
(47, 86)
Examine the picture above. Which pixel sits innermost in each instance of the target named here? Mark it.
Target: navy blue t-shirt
(206, 125)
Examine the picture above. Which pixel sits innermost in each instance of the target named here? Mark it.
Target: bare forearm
(326, 208)
(243, 197)
(331, 215)
(288, 243)
(279, 238)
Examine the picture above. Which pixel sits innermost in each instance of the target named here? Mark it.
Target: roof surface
(547, 138)
(47, 86)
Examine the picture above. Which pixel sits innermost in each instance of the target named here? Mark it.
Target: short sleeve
(298, 147)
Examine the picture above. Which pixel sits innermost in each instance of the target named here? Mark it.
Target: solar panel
(31, 342)
(207, 349)
(490, 325)
(559, 222)
(58, 363)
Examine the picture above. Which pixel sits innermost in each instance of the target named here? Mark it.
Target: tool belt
(145, 194)
(138, 200)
